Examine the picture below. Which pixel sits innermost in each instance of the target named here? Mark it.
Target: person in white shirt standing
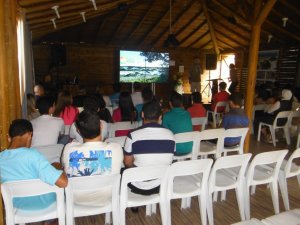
(46, 129)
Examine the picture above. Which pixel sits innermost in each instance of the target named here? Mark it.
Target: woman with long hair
(32, 112)
(126, 110)
(64, 108)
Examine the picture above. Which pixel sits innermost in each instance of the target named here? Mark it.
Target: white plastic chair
(191, 136)
(111, 183)
(258, 173)
(259, 107)
(235, 132)
(219, 181)
(120, 140)
(274, 126)
(67, 129)
(196, 121)
(129, 199)
(207, 148)
(253, 221)
(217, 116)
(121, 126)
(26, 188)
(291, 217)
(51, 152)
(187, 179)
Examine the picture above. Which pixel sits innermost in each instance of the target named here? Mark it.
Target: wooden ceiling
(145, 23)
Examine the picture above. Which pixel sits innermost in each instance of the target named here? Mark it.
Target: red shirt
(221, 96)
(69, 115)
(197, 110)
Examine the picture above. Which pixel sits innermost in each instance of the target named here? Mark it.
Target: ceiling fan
(171, 40)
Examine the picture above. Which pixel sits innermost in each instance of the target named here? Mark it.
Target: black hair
(88, 124)
(126, 106)
(44, 104)
(197, 98)
(147, 95)
(116, 87)
(152, 110)
(222, 85)
(137, 86)
(19, 127)
(176, 99)
(236, 98)
(91, 103)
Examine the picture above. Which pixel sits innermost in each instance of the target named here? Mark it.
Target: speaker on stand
(210, 64)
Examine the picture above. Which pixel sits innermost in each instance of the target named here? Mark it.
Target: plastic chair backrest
(287, 169)
(199, 121)
(281, 115)
(257, 108)
(294, 114)
(227, 162)
(121, 126)
(119, 140)
(221, 104)
(191, 136)
(67, 129)
(51, 152)
(237, 132)
(266, 158)
(27, 188)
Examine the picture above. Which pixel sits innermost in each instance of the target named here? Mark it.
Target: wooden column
(253, 58)
(9, 78)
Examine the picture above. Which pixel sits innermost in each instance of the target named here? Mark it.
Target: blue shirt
(235, 118)
(179, 120)
(25, 164)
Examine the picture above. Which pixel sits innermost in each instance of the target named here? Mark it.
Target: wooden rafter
(233, 40)
(290, 7)
(280, 29)
(139, 23)
(210, 26)
(116, 30)
(204, 44)
(99, 28)
(264, 12)
(185, 26)
(226, 44)
(189, 35)
(156, 24)
(174, 21)
(198, 39)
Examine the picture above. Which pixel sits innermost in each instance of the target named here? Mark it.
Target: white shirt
(92, 159)
(137, 98)
(46, 130)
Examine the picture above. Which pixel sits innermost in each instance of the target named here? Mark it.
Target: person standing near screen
(195, 76)
(233, 78)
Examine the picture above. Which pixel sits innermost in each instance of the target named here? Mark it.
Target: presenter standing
(195, 76)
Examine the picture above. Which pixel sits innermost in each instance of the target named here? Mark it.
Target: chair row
(183, 179)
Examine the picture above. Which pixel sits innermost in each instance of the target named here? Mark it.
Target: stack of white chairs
(108, 184)
(29, 188)
(119, 126)
(217, 116)
(51, 152)
(273, 127)
(187, 179)
(219, 181)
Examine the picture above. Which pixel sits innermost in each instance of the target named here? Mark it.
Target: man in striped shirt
(150, 144)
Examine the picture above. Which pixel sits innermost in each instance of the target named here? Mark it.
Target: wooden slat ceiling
(145, 23)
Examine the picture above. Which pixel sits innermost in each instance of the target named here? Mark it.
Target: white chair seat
(83, 210)
(253, 221)
(291, 217)
(185, 186)
(135, 200)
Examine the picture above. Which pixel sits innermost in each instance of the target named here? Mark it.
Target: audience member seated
(64, 108)
(91, 104)
(114, 98)
(32, 112)
(147, 96)
(235, 118)
(178, 120)
(261, 94)
(46, 129)
(91, 158)
(137, 94)
(103, 112)
(197, 109)
(221, 96)
(39, 91)
(150, 144)
(20, 162)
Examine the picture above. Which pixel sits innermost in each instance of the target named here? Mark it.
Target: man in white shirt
(46, 129)
(136, 96)
(91, 158)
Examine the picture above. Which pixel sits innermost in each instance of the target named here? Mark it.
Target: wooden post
(9, 76)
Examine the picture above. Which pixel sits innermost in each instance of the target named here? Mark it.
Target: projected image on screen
(144, 67)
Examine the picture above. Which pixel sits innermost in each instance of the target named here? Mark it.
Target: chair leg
(183, 203)
(168, 211)
(298, 141)
(273, 136)
(253, 188)
(210, 212)
(223, 195)
(215, 196)
(247, 203)
(284, 191)
(107, 218)
(274, 194)
(122, 216)
(153, 209)
(259, 132)
(287, 135)
(148, 210)
(214, 121)
(240, 200)
(188, 202)
(202, 207)
(163, 213)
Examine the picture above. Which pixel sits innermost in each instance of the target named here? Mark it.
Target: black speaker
(58, 55)
(211, 61)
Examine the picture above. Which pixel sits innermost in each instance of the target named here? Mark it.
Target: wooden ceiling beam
(185, 26)
(290, 7)
(116, 30)
(205, 44)
(230, 38)
(226, 44)
(282, 30)
(198, 39)
(43, 4)
(99, 28)
(265, 12)
(174, 21)
(189, 35)
(210, 26)
(156, 23)
(139, 23)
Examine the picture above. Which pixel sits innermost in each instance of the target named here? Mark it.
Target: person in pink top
(197, 109)
(221, 96)
(64, 108)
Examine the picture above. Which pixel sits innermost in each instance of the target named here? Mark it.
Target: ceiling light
(53, 22)
(94, 4)
(284, 20)
(55, 8)
(83, 16)
(171, 40)
(269, 38)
